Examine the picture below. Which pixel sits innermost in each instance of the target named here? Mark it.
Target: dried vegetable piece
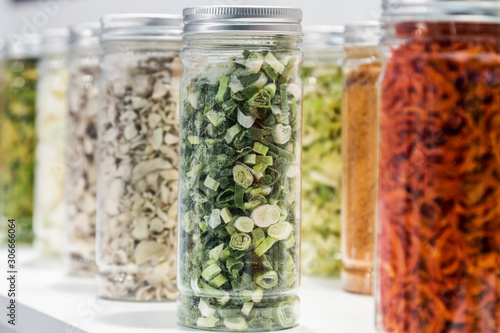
(240, 193)
(18, 145)
(439, 211)
(322, 169)
(138, 157)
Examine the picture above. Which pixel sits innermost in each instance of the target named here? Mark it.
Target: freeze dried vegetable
(138, 178)
(439, 211)
(240, 193)
(51, 111)
(18, 145)
(322, 169)
(81, 157)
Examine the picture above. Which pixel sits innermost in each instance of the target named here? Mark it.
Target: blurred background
(18, 16)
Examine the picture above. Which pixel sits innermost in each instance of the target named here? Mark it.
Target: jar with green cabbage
(321, 150)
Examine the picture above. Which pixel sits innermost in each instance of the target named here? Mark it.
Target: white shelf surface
(50, 301)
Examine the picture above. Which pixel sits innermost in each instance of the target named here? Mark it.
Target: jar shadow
(141, 319)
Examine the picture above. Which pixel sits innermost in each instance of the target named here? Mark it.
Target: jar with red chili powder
(438, 253)
(359, 155)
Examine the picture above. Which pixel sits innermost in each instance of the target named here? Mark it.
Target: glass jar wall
(239, 200)
(321, 149)
(51, 108)
(81, 152)
(18, 135)
(359, 145)
(439, 193)
(138, 128)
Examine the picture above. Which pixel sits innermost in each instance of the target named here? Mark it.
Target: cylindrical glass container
(18, 135)
(51, 109)
(2, 85)
(239, 194)
(359, 146)
(81, 155)
(138, 126)
(321, 149)
(438, 266)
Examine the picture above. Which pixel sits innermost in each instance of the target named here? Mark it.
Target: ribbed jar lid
(141, 27)
(86, 34)
(24, 47)
(323, 37)
(244, 19)
(441, 10)
(55, 40)
(363, 33)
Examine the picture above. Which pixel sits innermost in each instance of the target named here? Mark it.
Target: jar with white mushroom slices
(81, 159)
(138, 131)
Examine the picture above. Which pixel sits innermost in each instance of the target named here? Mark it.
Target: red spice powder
(439, 181)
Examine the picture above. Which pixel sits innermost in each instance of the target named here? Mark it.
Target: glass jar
(81, 149)
(18, 135)
(239, 194)
(359, 146)
(439, 181)
(321, 149)
(138, 131)
(51, 108)
(2, 86)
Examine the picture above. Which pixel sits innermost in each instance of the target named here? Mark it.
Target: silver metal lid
(242, 19)
(86, 34)
(441, 10)
(323, 37)
(141, 27)
(55, 40)
(24, 47)
(363, 33)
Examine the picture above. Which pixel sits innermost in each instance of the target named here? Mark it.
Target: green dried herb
(18, 145)
(322, 170)
(239, 197)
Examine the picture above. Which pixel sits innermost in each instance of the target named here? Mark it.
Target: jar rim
(85, 34)
(55, 40)
(363, 33)
(441, 10)
(24, 47)
(323, 37)
(141, 27)
(242, 19)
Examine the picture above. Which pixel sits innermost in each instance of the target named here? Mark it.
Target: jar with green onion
(321, 149)
(239, 200)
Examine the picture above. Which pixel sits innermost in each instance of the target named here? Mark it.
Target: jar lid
(86, 34)
(323, 37)
(24, 47)
(243, 19)
(441, 10)
(363, 33)
(141, 27)
(55, 40)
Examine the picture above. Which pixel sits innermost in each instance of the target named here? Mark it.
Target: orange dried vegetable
(439, 181)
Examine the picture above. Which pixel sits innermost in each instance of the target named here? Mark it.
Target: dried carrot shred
(439, 180)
